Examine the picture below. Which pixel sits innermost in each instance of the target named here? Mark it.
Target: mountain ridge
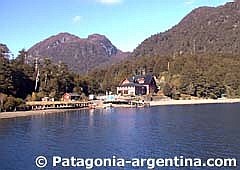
(80, 54)
(203, 30)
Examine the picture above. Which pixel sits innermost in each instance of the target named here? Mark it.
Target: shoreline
(8, 115)
(193, 102)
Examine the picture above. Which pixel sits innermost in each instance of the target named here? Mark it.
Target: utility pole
(38, 74)
(36, 63)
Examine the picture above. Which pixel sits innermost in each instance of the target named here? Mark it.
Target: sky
(125, 22)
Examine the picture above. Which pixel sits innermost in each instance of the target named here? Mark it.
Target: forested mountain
(81, 55)
(198, 57)
(212, 30)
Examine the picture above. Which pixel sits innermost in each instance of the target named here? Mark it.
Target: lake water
(166, 131)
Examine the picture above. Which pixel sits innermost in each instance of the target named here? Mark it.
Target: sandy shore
(192, 102)
(6, 115)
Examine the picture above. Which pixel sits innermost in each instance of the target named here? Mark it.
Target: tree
(22, 76)
(167, 90)
(11, 103)
(6, 83)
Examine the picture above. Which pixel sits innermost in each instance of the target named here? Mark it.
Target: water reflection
(167, 131)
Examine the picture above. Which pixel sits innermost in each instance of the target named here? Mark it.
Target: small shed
(71, 97)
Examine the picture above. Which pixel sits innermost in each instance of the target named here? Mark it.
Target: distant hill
(205, 30)
(80, 54)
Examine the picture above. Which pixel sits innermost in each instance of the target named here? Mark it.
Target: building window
(125, 91)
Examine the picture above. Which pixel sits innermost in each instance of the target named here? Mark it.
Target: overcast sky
(125, 22)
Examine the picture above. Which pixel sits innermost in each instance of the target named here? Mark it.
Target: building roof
(146, 78)
(72, 94)
(131, 85)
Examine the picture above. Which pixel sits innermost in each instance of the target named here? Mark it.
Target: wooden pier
(139, 104)
(42, 105)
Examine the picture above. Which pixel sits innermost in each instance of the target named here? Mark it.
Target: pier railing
(41, 105)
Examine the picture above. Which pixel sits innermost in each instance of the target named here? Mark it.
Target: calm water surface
(192, 131)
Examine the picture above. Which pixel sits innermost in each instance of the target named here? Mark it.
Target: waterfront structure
(46, 99)
(91, 97)
(71, 97)
(138, 85)
(41, 105)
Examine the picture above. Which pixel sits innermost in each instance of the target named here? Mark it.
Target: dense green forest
(18, 80)
(204, 76)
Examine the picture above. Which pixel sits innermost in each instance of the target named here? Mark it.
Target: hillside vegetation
(198, 57)
(205, 76)
(205, 30)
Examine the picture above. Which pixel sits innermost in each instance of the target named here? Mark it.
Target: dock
(130, 103)
(42, 105)
(139, 104)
